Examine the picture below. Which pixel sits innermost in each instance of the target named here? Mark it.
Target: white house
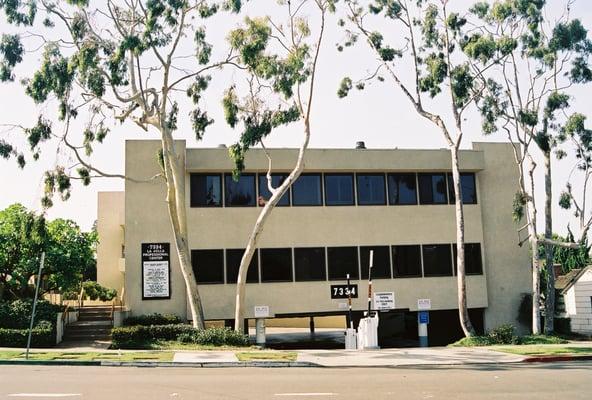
(576, 290)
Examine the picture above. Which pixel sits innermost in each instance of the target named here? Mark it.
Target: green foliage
(24, 235)
(11, 53)
(391, 8)
(480, 47)
(437, 68)
(43, 335)
(17, 314)
(94, 291)
(215, 337)
(518, 206)
(54, 76)
(139, 336)
(503, 334)
(344, 87)
(568, 258)
(152, 319)
(19, 12)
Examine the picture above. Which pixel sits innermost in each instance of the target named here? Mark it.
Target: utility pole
(34, 304)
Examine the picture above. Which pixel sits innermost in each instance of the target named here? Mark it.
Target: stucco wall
(506, 272)
(110, 221)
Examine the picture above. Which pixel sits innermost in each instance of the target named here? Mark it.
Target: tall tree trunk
(175, 181)
(463, 312)
(534, 243)
(549, 249)
(239, 311)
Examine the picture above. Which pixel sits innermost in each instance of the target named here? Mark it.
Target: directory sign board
(156, 271)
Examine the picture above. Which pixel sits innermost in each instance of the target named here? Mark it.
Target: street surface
(503, 381)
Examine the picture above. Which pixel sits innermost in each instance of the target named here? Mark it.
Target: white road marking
(44, 394)
(305, 394)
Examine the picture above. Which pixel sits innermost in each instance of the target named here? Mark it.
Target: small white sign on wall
(261, 311)
(424, 304)
(384, 300)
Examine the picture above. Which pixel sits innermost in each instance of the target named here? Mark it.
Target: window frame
(432, 202)
(450, 182)
(415, 179)
(450, 265)
(357, 260)
(357, 189)
(418, 246)
(255, 258)
(248, 174)
(194, 253)
(206, 174)
(288, 194)
(295, 257)
(261, 261)
(353, 187)
(321, 192)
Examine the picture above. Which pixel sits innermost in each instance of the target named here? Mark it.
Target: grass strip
(165, 356)
(542, 350)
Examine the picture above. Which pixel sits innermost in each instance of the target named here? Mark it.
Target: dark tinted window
(276, 181)
(437, 260)
(276, 265)
(406, 260)
(233, 259)
(310, 264)
(306, 191)
(208, 266)
(432, 188)
(339, 189)
(342, 260)
(206, 190)
(473, 261)
(381, 261)
(468, 188)
(241, 193)
(402, 189)
(371, 189)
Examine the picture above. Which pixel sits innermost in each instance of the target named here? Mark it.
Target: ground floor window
(309, 263)
(437, 260)
(208, 266)
(276, 265)
(381, 261)
(342, 261)
(233, 260)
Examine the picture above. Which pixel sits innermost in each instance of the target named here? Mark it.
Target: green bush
(95, 291)
(541, 339)
(42, 336)
(562, 325)
(503, 334)
(141, 336)
(152, 319)
(17, 314)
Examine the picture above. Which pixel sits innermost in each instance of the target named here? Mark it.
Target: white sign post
(261, 312)
(423, 305)
(384, 300)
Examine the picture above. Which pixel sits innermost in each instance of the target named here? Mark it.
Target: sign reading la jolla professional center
(156, 283)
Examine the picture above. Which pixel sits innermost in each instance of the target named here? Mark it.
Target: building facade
(398, 203)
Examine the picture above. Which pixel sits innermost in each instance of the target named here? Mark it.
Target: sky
(380, 116)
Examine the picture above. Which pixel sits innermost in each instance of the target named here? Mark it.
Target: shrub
(503, 334)
(95, 291)
(141, 336)
(562, 325)
(152, 319)
(41, 336)
(17, 314)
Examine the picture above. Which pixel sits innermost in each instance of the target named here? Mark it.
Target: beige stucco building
(393, 201)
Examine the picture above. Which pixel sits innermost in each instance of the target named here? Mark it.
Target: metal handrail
(81, 297)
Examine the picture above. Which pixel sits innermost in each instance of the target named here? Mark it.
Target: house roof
(564, 282)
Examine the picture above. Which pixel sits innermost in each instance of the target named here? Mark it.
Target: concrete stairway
(94, 323)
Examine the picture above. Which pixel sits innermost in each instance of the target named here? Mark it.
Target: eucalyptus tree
(575, 133)
(279, 90)
(527, 97)
(421, 47)
(109, 63)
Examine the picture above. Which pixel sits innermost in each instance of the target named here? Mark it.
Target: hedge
(42, 336)
(140, 336)
(152, 319)
(17, 314)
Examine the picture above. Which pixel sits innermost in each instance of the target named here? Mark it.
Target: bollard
(260, 332)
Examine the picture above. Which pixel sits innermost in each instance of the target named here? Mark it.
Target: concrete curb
(236, 364)
(542, 359)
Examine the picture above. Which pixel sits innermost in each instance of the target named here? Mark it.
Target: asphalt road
(537, 381)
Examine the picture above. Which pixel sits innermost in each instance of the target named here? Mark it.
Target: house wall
(506, 273)
(110, 222)
(581, 322)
